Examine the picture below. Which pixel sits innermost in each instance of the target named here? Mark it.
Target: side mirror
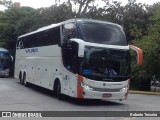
(81, 46)
(11, 58)
(59, 44)
(139, 54)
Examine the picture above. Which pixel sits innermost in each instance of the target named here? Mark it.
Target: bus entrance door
(66, 80)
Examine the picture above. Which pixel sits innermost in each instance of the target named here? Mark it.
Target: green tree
(14, 22)
(18, 21)
(54, 14)
(7, 3)
(150, 44)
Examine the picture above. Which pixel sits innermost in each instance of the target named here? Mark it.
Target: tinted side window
(51, 36)
(19, 44)
(69, 31)
(69, 55)
(43, 38)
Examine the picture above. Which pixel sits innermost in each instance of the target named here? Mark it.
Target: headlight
(124, 88)
(6, 70)
(86, 86)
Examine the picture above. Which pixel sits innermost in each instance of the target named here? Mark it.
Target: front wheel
(58, 90)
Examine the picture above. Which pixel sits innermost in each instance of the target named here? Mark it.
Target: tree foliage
(141, 24)
(150, 43)
(6, 3)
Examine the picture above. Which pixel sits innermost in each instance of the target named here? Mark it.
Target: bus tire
(24, 80)
(58, 90)
(20, 77)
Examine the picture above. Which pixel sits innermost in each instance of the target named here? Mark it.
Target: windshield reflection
(105, 64)
(109, 34)
(4, 60)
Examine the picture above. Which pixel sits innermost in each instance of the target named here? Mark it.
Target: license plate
(107, 95)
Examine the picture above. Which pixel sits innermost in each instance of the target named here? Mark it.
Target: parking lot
(16, 97)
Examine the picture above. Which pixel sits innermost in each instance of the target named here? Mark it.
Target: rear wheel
(20, 77)
(24, 80)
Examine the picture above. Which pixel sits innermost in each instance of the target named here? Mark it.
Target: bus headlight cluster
(5, 71)
(86, 86)
(124, 88)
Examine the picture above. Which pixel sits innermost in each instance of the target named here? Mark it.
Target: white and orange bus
(81, 58)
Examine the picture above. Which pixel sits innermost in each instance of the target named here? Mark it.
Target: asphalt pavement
(16, 97)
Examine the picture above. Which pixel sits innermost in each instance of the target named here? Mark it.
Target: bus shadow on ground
(91, 102)
(80, 102)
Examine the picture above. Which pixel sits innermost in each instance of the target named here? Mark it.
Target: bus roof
(3, 50)
(40, 29)
(77, 20)
(95, 21)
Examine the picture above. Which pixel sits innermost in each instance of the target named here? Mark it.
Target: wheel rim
(24, 80)
(58, 90)
(20, 78)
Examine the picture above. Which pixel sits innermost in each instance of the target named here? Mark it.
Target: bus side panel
(73, 85)
(31, 70)
(38, 71)
(45, 51)
(19, 67)
(69, 83)
(51, 68)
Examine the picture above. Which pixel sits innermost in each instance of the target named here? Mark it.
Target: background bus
(155, 83)
(80, 58)
(5, 62)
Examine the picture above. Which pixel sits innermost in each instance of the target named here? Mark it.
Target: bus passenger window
(19, 44)
(69, 55)
(68, 31)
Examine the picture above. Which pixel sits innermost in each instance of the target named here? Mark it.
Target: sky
(2, 7)
(48, 3)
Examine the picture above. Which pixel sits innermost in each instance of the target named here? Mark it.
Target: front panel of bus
(4, 63)
(104, 70)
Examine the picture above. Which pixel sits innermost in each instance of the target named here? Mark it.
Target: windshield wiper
(122, 76)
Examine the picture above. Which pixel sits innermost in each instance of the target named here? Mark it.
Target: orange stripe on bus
(128, 89)
(79, 87)
(80, 78)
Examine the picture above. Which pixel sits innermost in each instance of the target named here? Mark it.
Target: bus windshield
(109, 34)
(105, 64)
(4, 60)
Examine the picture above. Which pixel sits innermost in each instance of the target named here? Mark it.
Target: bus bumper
(115, 93)
(87, 94)
(89, 89)
(4, 73)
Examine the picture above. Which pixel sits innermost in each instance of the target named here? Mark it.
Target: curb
(144, 92)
